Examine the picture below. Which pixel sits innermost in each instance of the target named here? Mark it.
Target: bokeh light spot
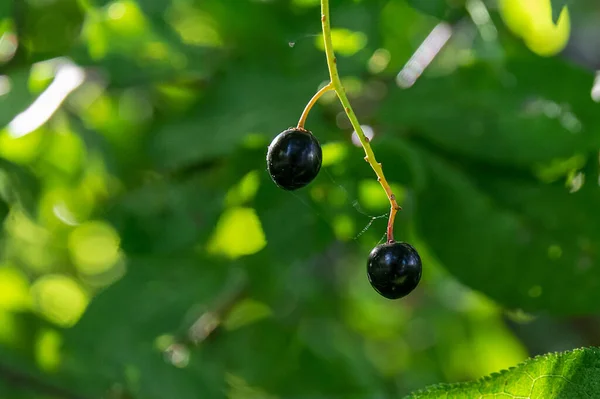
(554, 251)
(94, 247)
(14, 289)
(238, 233)
(47, 350)
(369, 134)
(535, 291)
(8, 46)
(345, 42)
(344, 227)
(353, 85)
(575, 181)
(116, 10)
(95, 36)
(333, 153)
(379, 61)
(162, 342)
(66, 151)
(59, 299)
(126, 18)
(5, 85)
(21, 150)
(559, 168)
(64, 206)
(372, 196)
(178, 355)
(245, 190)
(318, 192)
(194, 27)
(41, 75)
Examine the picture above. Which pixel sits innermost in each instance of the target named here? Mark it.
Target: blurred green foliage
(147, 254)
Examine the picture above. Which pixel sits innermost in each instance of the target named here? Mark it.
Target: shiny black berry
(394, 269)
(294, 158)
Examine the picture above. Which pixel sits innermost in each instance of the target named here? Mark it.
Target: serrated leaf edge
(451, 386)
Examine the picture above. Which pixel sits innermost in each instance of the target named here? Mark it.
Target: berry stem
(312, 102)
(364, 141)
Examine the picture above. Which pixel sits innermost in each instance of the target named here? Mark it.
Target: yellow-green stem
(312, 102)
(364, 141)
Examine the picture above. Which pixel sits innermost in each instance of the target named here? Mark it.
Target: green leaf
(565, 375)
(509, 117)
(525, 243)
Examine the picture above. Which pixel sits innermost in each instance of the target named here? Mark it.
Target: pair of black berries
(293, 160)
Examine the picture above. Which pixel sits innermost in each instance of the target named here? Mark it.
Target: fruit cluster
(294, 159)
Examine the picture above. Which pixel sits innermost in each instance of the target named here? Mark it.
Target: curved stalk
(311, 103)
(364, 141)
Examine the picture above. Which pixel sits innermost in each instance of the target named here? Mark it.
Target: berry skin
(294, 158)
(394, 269)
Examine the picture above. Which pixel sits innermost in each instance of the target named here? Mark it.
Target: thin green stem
(364, 141)
(312, 102)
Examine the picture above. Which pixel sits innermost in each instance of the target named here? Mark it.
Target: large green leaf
(567, 375)
(510, 116)
(523, 242)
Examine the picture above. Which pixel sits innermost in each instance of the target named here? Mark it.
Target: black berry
(294, 158)
(394, 269)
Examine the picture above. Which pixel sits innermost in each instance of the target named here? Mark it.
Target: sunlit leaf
(557, 375)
